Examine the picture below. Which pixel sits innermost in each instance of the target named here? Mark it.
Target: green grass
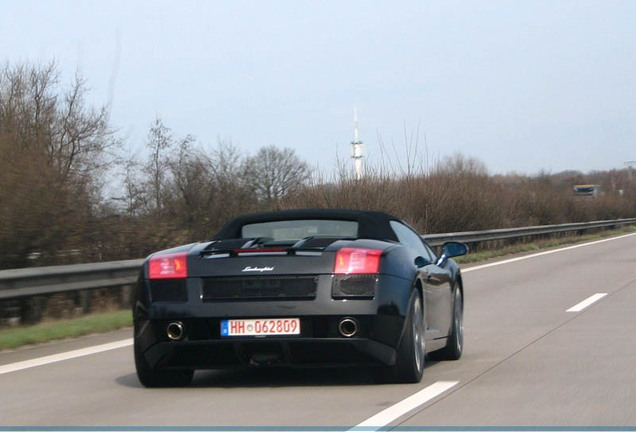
(108, 321)
(63, 329)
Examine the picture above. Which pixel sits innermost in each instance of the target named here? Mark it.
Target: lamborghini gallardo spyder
(300, 288)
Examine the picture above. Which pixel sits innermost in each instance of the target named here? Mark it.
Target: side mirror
(451, 249)
(421, 262)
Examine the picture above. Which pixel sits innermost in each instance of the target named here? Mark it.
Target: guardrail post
(85, 301)
(32, 309)
(10, 313)
(126, 293)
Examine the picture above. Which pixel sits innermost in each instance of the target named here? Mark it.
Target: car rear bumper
(299, 352)
(321, 343)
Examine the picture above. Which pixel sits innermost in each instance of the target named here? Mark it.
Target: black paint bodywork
(199, 303)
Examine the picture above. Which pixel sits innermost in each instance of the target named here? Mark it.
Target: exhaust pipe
(175, 331)
(348, 327)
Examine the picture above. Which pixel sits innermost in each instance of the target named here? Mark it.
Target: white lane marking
(383, 418)
(508, 261)
(587, 302)
(14, 367)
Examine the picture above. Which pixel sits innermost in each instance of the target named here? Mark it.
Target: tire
(409, 366)
(455, 344)
(149, 377)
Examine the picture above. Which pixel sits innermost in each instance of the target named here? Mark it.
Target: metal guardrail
(41, 281)
(510, 233)
(51, 280)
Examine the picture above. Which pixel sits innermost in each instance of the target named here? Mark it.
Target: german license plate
(260, 327)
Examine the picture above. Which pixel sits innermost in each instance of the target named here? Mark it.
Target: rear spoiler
(265, 245)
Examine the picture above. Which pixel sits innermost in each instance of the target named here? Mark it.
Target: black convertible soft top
(371, 225)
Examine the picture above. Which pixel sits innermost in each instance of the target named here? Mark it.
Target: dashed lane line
(384, 418)
(587, 302)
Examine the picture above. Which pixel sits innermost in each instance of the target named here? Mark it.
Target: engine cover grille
(260, 288)
(354, 286)
(168, 290)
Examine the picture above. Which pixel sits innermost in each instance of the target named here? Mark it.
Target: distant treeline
(59, 159)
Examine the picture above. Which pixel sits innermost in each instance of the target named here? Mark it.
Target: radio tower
(630, 167)
(357, 147)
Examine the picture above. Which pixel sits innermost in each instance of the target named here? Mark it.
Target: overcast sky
(524, 86)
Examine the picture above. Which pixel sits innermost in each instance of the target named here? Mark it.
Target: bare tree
(207, 187)
(273, 174)
(159, 143)
(52, 151)
(135, 198)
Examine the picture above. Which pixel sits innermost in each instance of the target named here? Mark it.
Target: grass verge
(63, 329)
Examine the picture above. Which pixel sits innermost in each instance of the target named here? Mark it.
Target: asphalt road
(528, 361)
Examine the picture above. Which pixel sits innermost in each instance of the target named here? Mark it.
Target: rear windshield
(298, 229)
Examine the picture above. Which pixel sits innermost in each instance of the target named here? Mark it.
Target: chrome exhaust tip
(348, 327)
(175, 331)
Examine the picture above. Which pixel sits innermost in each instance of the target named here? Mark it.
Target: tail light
(357, 261)
(169, 266)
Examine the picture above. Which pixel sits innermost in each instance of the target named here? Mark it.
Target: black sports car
(299, 288)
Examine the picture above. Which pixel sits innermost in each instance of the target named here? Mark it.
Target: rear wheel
(455, 344)
(154, 378)
(409, 366)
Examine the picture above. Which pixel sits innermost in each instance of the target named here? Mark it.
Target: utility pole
(357, 147)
